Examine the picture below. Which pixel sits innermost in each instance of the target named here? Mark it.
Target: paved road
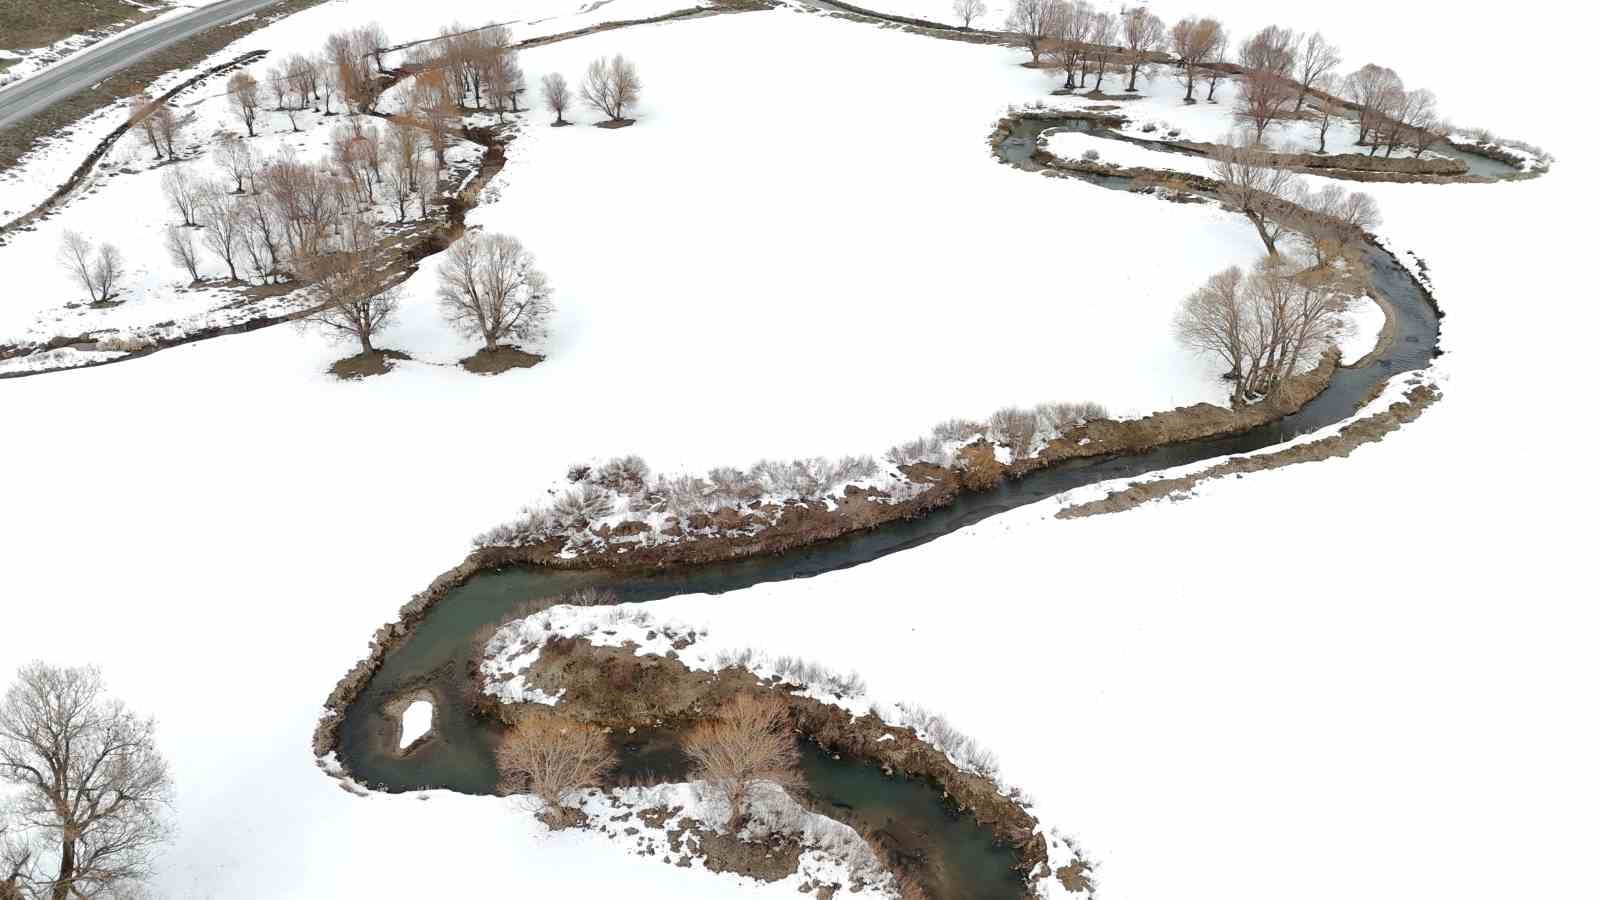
(82, 70)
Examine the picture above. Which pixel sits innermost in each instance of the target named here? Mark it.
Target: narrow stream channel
(460, 756)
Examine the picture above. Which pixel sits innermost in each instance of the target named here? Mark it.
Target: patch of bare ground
(1366, 430)
(616, 123)
(365, 364)
(38, 23)
(500, 359)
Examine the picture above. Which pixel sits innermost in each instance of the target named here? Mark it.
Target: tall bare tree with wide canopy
(90, 790)
(1196, 40)
(1035, 22)
(1144, 33)
(488, 287)
(1318, 58)
(1251, 180)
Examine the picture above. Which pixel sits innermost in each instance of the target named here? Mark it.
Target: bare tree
(552, 758)
(98, 270)
(488, 287)
(183, 191)
(1214, 320)
(1035, 22)
(1272, 49)
(237, 159)
(1331, 85)
(1195, 41)
(169, 127)
(143, 116)
(430, 102)
(504, 82)
(1377, 92)
(224, 226)
(1252, 181)
(557, 97)
(1337, 220)
(183, 250)
(1264, 98)
(749, 742)
(90, 785)
(1144, 33)
(244, 95)
(1418, 112)
(1075, 24)
(304, 201)
(1318, 58)
(1102, 47)
(347, 294)
(611, 86)
(1216, 71)
(967, 10)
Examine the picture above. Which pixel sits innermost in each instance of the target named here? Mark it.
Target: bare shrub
(582, 504)
(959, 430)
(1014, 427)
(961, 748)
(552, 757)
(921, 450)
(591, 596)
(1059, 418)
(623, 474)
(749, 742)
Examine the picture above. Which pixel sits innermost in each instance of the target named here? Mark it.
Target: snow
(1074, 144)
(1364, 319)
(1365, 677)
(415, 723)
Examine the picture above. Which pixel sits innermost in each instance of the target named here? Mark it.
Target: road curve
(82, 70)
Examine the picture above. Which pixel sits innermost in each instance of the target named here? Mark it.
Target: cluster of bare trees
(1076, 37)
(86, 791)
(98, 269)
(161, 126)
(476, 66)
(610, 87)
(1389, 115)
(1264, 325)
(1253, 180)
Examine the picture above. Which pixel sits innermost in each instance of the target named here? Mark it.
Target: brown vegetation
(552, 757)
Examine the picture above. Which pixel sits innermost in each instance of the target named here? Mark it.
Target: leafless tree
(90, 786)
(244, 95)
(1102, 48)
(557, 97)
(1331, 84)
(236, 158)
(1144, 33)
(369, 42)
(1035, 21)
(1214, 320)
(1418, 112)
(280, 83)
(504, 82)
(552, 758)
(224, 226)
(357, 153)
(1272, 49)
(1318, 58)
(430, 103)
(1337, 220)
(427, 189)
(260, 214)
(183, 191)
(183, 250)
(143, 116)
(98, 270)
(1074, 26)
(347, 294)
(1195, 41)
(1251, 180)
(488, 287)
(967, 10)
(169, 127)
(304, 201)
(1264, 98)
(1377, 92)
(1216, 73)
(611, 86)
(748, 742)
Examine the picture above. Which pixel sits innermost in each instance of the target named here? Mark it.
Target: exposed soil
(366, 364)
(500, 359)
(616, 123)
(1362, 431)
(39, 23)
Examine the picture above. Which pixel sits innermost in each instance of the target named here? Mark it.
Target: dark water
(437, 654)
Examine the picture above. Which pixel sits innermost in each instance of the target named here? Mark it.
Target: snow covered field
(1390, 698)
